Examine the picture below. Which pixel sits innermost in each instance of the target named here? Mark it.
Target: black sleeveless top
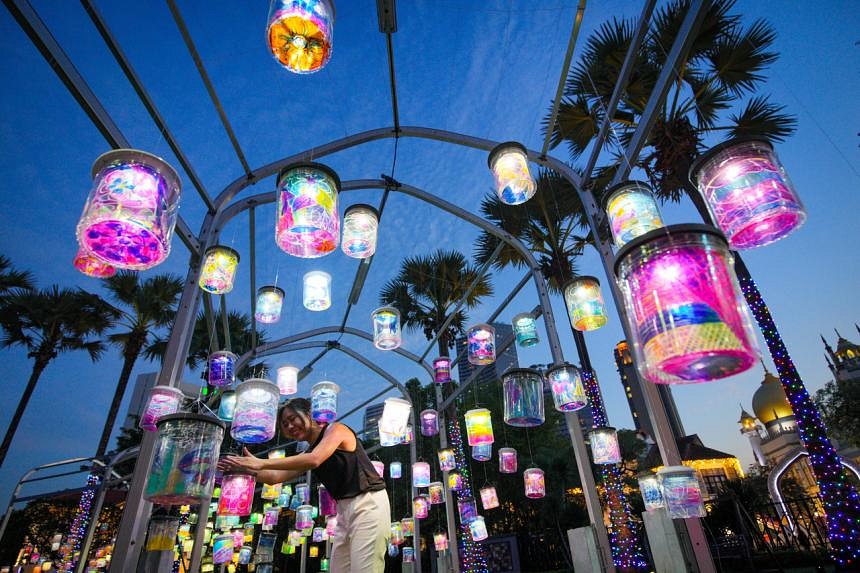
(347, 474)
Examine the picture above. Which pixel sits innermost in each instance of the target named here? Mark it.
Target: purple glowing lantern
(163, 400)
(481, 344)
(93, 267)
(222, 368)
(482, 453)
(467, 509)
(442, 370)
(429, 422)
(254, 418)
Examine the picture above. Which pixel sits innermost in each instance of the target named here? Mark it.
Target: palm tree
(47, 323)
(723, 70)
(151, 304)
(11, 279)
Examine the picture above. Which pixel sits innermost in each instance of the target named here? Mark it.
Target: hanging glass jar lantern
(507, 460)
(525, 328)
(408, 554)
(271, 491)
(386, 328)
(682, 492)
(237, 493)
(360, 226)
(245, 554)
(652, 492)
(379, 467)
(387, 439)
(455, 480)
(318, 535)
(397, 537)
(482, 453)
(510, 166)
(478, 528)
(523, 393)
(288, 380)
(186, 452)
(442, 370)
(331, 525)
(420, 506)
(161, 533)
(429, 422)
(222, 549)
(447, 460)
(604, 445)
(270, 300)
(308, 225)
(270, 518)
(408, 435)
(395, 416)
(256, 411)
(407, 524)
(218, 270)
(227, 406)
(440, 541)
(420, 474)
(467, 508)
(313, 552)
(328, 506)
(565, 383)
(632, 211)
(304, 517)
(688, 320)
(535, 486)
(395, 470)
(130, 213)
(300, 33)
(481, 344)
(91, 266)
(436, 493)
(222, 368)
(324, 401)
(479, 427)
(748, 193)
(163, 400)
(303, 493)
(489, 498)
(316, 294)
(584, 303)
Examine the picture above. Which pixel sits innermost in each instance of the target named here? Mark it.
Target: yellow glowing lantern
(584, 303)
(219, 269)
(510, 166)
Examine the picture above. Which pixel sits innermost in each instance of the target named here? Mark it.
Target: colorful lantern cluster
(324, 401)
(535, 485)
(429, 422)
(523, 397)
(507, 460)
(288, 380)
(130, 213)
(652, 493)
(568, 392)
(386, 328)
(682, 492)
(684, 307)
(270, 300)
(308, 225)
(510, 166)
(604, 445)
(525, 328)
(479, 427)
(481, 341)
(442, 370)
(632, 211)
(360, 227)
(218, 270)
(255, 416)
(748, 193)
(91, 266)
(222, 368)
(237, 494)
(163, 400)
(584, 302)
(300, 33)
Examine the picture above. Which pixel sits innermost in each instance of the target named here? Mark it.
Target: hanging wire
(529, 442)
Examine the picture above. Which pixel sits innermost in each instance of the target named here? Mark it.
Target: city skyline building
(372, 414)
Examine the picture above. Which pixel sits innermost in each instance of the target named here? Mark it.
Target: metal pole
(413, 457)
(252, 223)
(199, 533)
(449, 497)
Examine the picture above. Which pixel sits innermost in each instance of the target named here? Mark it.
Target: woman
(338, 460)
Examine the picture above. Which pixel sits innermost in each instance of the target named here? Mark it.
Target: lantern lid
(191, 416)
(361, 206)
(482, 326)
(256, 381)
(510, 371)
(272, 288)
(578, 278)
(239, 472)
(138, 156)
(230, 250)
(398, 401)
(313, 165)
(603, 429)
(607, 195)
(697, 163)
(523, 315)
(555, 367)
(326, 384)
(223, 353)
(675, 469)
(501, 147)
(382, 309)
(171, 389)
(664, 232)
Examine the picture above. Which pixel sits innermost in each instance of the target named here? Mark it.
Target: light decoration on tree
(300, 33)
(218, 271)
(386, 328)
(316, 290)
(288, 380)
(472, 558)
(510, 166)
(78, 529)
(565, 384)
(307, 225)
(92, 267)
(584, 301)
(270, 300)
(525, 329)
(523, 398)
(632, 211)
(360, 226)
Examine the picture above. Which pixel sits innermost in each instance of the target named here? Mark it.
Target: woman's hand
(246, 462)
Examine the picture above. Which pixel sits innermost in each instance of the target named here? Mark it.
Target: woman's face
(295, 425)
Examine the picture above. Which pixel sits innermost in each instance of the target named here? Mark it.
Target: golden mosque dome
(769, 402)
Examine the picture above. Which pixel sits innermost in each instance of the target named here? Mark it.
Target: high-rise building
(504, 359)
(372, 414)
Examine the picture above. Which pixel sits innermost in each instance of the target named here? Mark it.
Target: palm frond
(738, 58)
(760, 118)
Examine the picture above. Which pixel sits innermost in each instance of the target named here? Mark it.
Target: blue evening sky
(484, 68)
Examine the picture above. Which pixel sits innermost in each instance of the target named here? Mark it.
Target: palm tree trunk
(38, 366)
(132, 351)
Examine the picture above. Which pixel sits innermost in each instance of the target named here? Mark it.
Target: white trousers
(361, 537)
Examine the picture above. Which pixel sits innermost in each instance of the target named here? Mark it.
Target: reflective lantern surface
(510, 166)
(395, 415)
(681, 492)
(489, 498)
(245, 554)
(407, 524)
(535, 486)
(303, 492)
(447, 461)
(632, 211)
(218, 270)
(161, 534)
(523, 393)
(436, 493)
(304, 517)
(478, 528)
(420, 506)
(288, 380)
(584, 303)
(442, 370)
(331, 525)
(481, 344)
(525, 328)
(222, 548)
(317, 291)
(130, 213)
(300, 33)
(386, 328)
(687, 317)
(395, 470)
(482, 453)
(387, 439)
(440, 541)
(507, 460)
(308, 225)
(186, 452)
(227, 406)
(565, 383)
(429, 422)
(420, 474)
(222, 368)
(163, 400)
(379, 467)
(328, 506)
(256, 411)
(360, 226)
(604, 446)
(652, 492)
(455, 480)
(467, 509)
(748, 193)
(92, 267)
(270, 300)
(479, 427)
(270, 518)
(324, 401)
(237, 493)
(396, 533)
(408, 554)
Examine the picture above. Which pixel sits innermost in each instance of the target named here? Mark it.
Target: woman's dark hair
(298, 405)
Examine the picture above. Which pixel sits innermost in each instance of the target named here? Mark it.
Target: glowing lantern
(395, 470)
(748, 193)
(436, 493)
(396, 533)
(565, 383)
(131, 211)
(408, 554)
(420, 474)
(270, 518)
(408, 435)
(227, 406)
(163, 400)
(91, 266)
(218, 270)
(481, 344)
(379, 467)
(186, 452)
(270, 299)
(525, 329)
(440, 541)
(395, 415)
(317, 291)
(652, 493)
(688, 320)
(360, 225)
(307, 224)
(304, 519)
(632, 211)
(510, 166)
(489, 498)
(331, 525)
(479, 427)
(222, 550)
(482, 453)
(271, 491)
(584, 303)
(507, 460)
(162, 533)
(478, 528)
(288, 380)
(303, 492)
(455, 480)
(222, 368)
(681, 492)
(245, 554)
(407, 524)
(256, 411)
(429, 422)
(604, 446)
(442, 370)
(523, 393)
(420, 506)
(324, 401)
(467, 508)
(386, 328)
(535, 486)
(387, 439)
(328, 506)
(447, 461)
(300, 33)
(324, 564)
(237, 493)
(294, 538)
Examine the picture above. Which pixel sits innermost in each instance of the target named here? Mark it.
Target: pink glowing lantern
(507, 460)
(395, 470)
(395, 416)
(442, 370)
(429, 422)
(682, 492)
(489, 498)
(331, 525)
(440, 541)
(420, 474)
(386, 328)
(467, 508)
(523, 397)
(270, 300)
(632, 211)
(360, 226)
(688, 320)
(478, 528)
(163, 400)
(327, 504)
(288, 380)
(379, 467)
(130, 213)
(300, 33)
(482, 453)
(604, 446)
(447, 460)
(307, 225)
(584, 301)
(748, 193)
(481, 344)
(535, 486)
(218, 271)
(479, 427)
(237, 494)
(455, 480)
(93, 267)
(565, 383)
(436, 493)
(510, 166)
(420, 506)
